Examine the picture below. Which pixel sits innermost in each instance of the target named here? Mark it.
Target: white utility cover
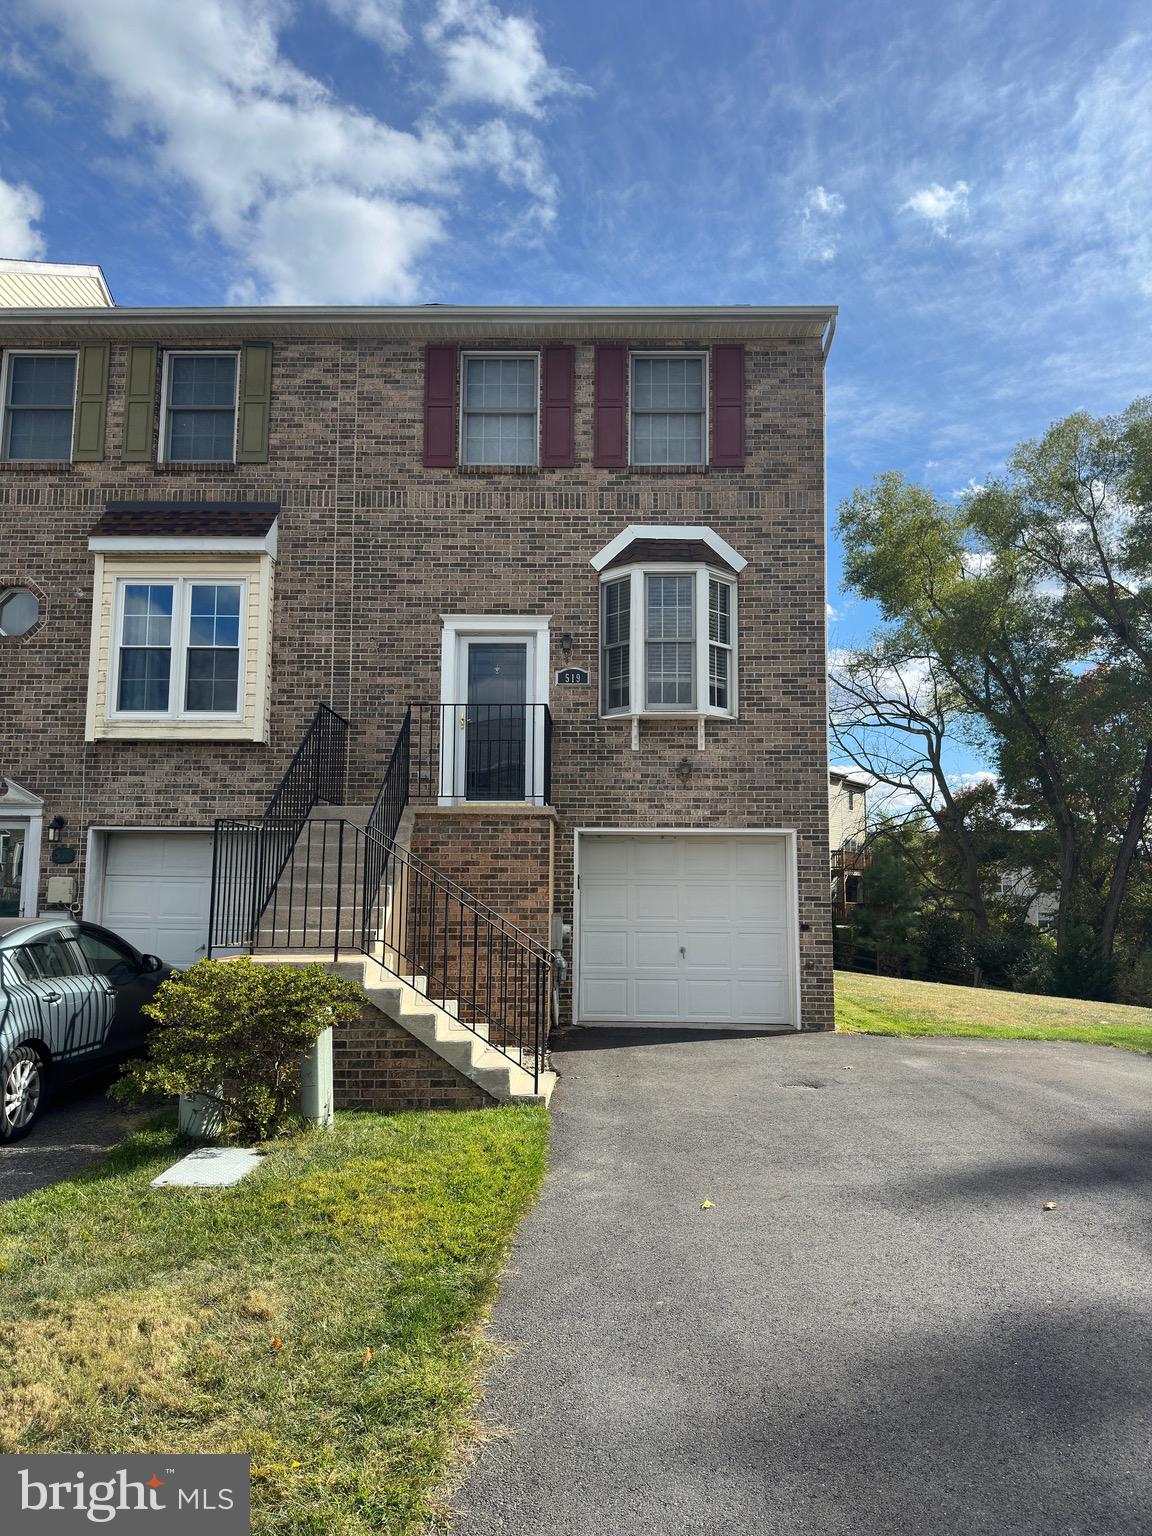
(210, 1168)
(686, 930)
(156, 892)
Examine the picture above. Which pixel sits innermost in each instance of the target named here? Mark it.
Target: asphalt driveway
(877, 1328)
(78, 1125)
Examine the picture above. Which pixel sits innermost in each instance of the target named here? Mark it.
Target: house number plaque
(572, 675)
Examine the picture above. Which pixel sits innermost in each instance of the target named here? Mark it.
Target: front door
(13, 847)
(497, 744)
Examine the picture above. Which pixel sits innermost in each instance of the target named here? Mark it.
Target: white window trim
(637, 642)
(36, 352)
(181, 625)
(705, 442)
(470, 356)
(663, 531)
(162, 456)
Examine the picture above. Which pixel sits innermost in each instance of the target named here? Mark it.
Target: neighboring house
(848, 835)
(51, 285)
(1040, 908)
(558, 572)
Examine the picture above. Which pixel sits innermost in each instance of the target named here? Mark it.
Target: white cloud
(962, 492)
(939, 206)
(21, 209)
(319, 200)
(493, 59)
(380, 21)
(820, 215)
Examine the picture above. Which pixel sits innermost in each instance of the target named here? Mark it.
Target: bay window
(668, 641)
(177, 648)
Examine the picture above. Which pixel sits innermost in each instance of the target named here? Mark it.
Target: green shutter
(255, 402)
(91, 403)
(140, 406)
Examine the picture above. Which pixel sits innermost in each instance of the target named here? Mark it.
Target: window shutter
(610, 434)
(558, 405)
(140, 406)
(440, 367)
(91, 403)
(255, 402)
(728, 407)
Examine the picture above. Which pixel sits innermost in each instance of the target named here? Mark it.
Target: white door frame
(514, 629)
(21, 810)
(791, 882)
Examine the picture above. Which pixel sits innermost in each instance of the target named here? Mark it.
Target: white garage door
(156, 888)
(690, 930)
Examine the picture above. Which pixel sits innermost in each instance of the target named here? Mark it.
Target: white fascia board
(656, 531)
(176, 544)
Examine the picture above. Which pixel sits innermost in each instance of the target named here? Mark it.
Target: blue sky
(969, 182)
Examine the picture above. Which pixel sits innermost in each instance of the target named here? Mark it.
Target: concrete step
(428, 1020)
(358, 814)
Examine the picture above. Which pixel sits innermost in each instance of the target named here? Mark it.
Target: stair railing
(249, 853)
(491, 977)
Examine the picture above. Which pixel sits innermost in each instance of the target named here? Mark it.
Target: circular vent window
(19, 610)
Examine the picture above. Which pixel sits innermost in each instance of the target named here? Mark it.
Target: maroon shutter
(610, 441)
(558, 407)
(728, 407)
(440, 407)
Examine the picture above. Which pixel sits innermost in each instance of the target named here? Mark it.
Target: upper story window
(500, 396)
(199, 395)
(669, 408)
(178, 648)
(39, 403)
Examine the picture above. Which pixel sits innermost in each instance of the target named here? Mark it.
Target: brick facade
(374, 548)
(377, 1065)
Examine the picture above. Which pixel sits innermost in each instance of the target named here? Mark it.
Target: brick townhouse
(522, 609)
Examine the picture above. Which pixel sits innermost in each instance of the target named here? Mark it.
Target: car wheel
(21, 1092)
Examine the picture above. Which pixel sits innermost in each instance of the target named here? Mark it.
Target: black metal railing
(250, 853)
(493, 978)
(481, 752)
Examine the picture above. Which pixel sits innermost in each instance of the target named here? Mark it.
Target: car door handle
(51, 997)
(683, 953)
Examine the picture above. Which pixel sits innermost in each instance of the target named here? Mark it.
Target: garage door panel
(655, 901)
(606, 999)
(706, 856)
(724, 900)
(711, 900)
(661, 948)
(655, 858)
(606, 947)
(709, 950)
(656, 997)
(604, 900)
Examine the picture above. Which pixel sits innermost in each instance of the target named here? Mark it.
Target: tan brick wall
(374, 548)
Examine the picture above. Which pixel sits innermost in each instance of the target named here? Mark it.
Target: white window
(198, 407)
(667, 641)
(178, 647)
(669, 395)
(39, 401)
(499, 416)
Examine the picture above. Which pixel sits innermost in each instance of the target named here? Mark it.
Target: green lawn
(883, 1005)
(321, 1316)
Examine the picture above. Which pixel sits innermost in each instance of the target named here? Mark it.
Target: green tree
(1032, 604)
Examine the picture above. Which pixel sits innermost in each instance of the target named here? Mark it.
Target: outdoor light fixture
(55, 827)
(566, 643)
(684, 769)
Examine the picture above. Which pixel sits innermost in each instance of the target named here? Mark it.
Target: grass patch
(885, 1005)
(143, 1320)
